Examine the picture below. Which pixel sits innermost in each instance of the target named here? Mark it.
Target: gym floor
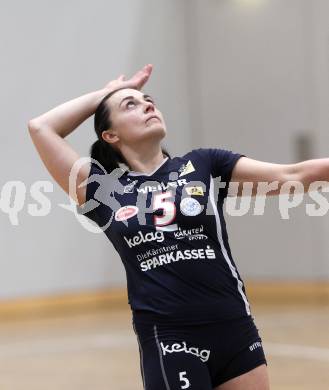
(98, 349)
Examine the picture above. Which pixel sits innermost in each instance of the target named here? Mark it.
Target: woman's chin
(157, 132)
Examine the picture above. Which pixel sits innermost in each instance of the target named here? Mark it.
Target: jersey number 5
(161, 201)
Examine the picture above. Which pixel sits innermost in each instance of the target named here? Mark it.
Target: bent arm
(254, 171)
(48, 132)
(66, 117)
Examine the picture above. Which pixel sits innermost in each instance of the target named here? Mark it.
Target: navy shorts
(197, 357)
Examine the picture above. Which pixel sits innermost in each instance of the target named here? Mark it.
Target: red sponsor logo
(125, 213)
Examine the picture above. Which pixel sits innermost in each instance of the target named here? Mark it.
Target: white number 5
(185, 380)
(160, 201)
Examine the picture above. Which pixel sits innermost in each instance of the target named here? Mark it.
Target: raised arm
(49, 130)
(305, 172)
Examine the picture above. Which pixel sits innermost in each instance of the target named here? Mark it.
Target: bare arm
(305, 172)
(49, 130)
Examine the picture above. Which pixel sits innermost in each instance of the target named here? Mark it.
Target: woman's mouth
(153, 117)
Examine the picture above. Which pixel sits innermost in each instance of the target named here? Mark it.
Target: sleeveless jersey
(169, 230)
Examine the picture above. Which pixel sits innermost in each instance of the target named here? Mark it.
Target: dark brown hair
(101, 150)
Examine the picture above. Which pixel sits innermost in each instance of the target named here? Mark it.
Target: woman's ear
(110, 137)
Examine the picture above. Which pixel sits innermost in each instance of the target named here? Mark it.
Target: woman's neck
(145, 161)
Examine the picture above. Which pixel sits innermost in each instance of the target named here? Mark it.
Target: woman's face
(135, 118)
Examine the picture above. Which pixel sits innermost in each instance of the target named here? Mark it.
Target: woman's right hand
(137, 81)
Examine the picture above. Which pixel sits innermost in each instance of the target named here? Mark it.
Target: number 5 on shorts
(185, 380)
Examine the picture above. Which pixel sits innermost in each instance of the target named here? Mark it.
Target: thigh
(170, 360)
(243, 355)
(256, 379)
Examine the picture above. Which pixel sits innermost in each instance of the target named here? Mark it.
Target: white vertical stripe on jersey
(220, 239)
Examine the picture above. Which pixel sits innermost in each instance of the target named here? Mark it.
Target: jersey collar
(133, 173)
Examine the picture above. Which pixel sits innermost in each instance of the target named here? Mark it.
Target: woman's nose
(149, 106)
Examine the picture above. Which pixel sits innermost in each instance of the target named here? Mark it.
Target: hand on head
(137, 81)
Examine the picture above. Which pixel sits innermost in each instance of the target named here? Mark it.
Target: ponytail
(106, 155)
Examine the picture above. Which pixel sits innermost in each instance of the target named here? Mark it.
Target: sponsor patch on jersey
(125, 213)
(129, 188)
(161, 186)
(194, 190)
(141, 238)
(190, 207)
(186, 169)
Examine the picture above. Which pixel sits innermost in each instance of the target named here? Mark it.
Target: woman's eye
(129, 103)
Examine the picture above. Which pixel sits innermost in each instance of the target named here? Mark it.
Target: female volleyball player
(164, 216)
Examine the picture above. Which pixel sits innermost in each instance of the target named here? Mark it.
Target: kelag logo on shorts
(177, 347)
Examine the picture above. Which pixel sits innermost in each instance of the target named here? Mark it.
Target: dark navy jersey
(169, 230)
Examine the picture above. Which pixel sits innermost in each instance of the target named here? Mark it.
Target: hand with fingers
(137, 81)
